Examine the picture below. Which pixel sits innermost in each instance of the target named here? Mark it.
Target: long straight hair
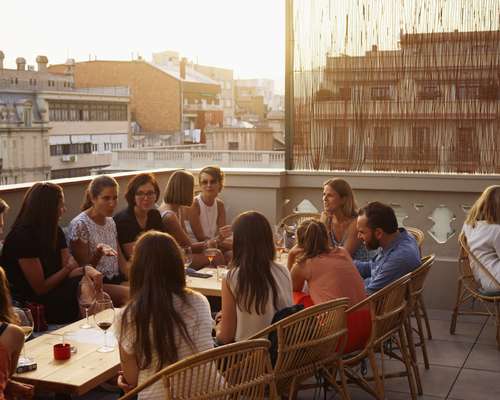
(486, 208)
(253, 254)
(156, 275)
(40, 211)
(312, 238)
(6, 312)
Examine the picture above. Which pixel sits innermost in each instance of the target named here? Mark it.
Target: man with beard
(398, 255)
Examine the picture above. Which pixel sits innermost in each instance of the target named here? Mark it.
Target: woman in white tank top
(207, 215)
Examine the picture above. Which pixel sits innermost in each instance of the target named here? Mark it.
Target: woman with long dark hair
(35, 256)
(141, 214)
(93, 237)
(163, 321)
(255, 287)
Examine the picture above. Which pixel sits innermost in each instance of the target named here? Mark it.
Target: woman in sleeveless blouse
(256, 287)
(207, 215)
(174, 212)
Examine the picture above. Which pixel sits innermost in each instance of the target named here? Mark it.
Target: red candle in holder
(62, 351)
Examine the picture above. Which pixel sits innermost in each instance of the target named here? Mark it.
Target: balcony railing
(130, 160)
(418, 109)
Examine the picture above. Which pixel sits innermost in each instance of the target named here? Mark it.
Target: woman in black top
(36, 258)
(141, 214)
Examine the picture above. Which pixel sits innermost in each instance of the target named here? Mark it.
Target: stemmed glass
(211, 253)
(104, 317)
(26, 323)
(279, 239)
(86, 298)
(187, 254)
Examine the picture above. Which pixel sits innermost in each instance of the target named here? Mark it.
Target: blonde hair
(344, 190)
(180, 189)
(486, 208)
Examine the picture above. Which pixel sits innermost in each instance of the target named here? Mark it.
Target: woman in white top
(482, 230)
(164, 321)
(93, 237)
(255, 287)
(174, 212)
(207, 215)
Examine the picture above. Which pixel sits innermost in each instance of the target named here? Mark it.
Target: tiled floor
(463, 366)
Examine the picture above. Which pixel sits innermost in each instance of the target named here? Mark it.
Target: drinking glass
(187, 254)
(86, 298)
(104, 317)
(25, 322)
(211, 253)
(279, 239)
(221, 272)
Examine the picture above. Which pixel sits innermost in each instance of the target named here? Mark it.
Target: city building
(165, 101)
(254, 98)
(433, 104)
(50, 129)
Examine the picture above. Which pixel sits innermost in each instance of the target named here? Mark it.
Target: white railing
(137, 159)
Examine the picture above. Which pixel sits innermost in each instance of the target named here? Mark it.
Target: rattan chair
(470, 290)
(308, 341)
(417, 307)
(419, 237)
(293, 220)
(235, 371)
(388, 309)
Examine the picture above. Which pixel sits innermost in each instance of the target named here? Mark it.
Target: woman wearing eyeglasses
(207, 215)
(141, 214)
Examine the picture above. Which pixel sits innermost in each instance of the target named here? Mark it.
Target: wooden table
(84, 371)
(207, 286)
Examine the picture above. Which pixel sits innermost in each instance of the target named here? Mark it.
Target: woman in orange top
(329, 272)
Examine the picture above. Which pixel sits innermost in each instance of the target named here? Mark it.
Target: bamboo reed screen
(396, 85)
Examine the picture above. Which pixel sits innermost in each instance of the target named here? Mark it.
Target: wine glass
(26, 323)
(86, 297)
(211, 253)
(104, 317)
(279, 240)
(187, 254)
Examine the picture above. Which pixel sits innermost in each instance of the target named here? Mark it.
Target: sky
(247, 36)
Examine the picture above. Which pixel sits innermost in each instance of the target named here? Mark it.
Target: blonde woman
(482, 230)
(179, 195)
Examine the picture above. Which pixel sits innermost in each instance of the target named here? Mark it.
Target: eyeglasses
(145, 194)
(211, 182)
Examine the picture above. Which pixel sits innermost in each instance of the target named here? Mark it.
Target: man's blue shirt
(399, 258)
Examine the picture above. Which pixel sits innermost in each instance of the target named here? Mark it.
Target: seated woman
(93, 237)
(178, 196)
(11, 344)
(482, 230)
(207, 215)
(339, 216)
(164, 321)
(141, 214)
(255, 287)
(36, 259)
(329, 272)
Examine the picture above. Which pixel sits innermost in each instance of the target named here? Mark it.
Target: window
(381, 93)
(429, 92)
(233, 145)
(27, 117)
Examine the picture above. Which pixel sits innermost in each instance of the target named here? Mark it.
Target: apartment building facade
(50, 130)
(432, 105)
